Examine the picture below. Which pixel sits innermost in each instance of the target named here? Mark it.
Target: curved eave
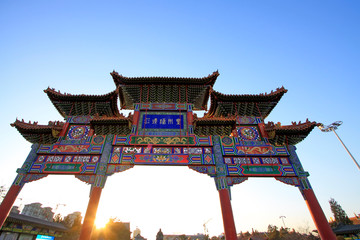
(43, 134)
(259, 105)
(289, 134)
(125, 101)
(71, 105)
(111, 125)
(197, 95)
(121, 80)
(21, 218)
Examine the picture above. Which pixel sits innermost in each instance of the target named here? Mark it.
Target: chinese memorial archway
(230, 143)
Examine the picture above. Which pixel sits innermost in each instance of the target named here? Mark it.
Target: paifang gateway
(230, 143)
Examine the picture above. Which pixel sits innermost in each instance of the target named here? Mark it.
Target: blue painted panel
(38, 237)
(152, 121)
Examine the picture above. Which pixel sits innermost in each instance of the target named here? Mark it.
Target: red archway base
(227, 214)
(318, 215)
(90, 213)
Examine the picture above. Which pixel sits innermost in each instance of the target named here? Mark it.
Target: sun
(101, 222)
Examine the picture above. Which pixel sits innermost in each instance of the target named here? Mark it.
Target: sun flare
(101, 222)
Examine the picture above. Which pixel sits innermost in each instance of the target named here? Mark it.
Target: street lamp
(333, 127)
(282, 218)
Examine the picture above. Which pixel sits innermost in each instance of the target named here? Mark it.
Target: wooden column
(96, 189)
(8, 202)
(90, 215)
(318, 215)
(64, 129)
(224, 190)
(17, 185)
(227, 214)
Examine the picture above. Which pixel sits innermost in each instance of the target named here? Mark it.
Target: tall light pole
(282, 218)
(333, 127)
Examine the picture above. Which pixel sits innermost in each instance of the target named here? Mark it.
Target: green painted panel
(63, 167)
(263, 170)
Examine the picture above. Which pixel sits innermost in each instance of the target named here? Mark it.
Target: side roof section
(289, 134)
(78, 105)
(259, 105)
(34, 133)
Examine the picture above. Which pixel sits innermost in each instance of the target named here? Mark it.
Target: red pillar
(64, 129)
(90, 213)
(318, 215)
(8, 202)
(227, 214)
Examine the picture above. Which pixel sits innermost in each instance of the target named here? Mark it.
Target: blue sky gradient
(309, 47)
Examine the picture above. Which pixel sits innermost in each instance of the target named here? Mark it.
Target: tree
(114, 230)
(3, 191)
(58, 218)
(283, 232)
(74, 228)
(340, 216)
(159, 235)
(273, 233)
(182, 237)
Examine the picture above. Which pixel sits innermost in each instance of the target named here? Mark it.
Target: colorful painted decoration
(80, 119)
(78, 132)
(248, 133)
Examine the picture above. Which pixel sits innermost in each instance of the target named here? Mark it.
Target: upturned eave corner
(289, 134)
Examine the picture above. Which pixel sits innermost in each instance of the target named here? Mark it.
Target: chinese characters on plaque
(151, 121)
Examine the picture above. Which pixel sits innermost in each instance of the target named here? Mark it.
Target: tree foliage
(159, 235)
(114, 230)
(74, 228)
(3, 191)
(274, 233)
(340, 216)
(182, 237)
(58, 218)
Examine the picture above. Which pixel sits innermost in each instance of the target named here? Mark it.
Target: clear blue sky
(309, 47)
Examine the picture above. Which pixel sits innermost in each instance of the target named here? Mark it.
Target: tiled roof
(103, 125)
(164, 90)
(214, 126)
(21, 218)
(289, 134)
(121, 80)
(82, 104)
(346, 229)
(259, 105)
(35, 133)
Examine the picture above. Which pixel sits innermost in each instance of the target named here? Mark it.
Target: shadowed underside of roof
(214, 126)
(21, 218)
(259, 105)
(78, 105)
(34, 133)
(121, 80)
(164, 90)
(119, 125)
(289, 134)
(346, 229)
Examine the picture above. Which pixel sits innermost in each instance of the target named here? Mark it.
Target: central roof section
(164, 90)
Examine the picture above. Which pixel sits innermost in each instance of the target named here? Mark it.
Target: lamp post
(282, 218)
(333, 127)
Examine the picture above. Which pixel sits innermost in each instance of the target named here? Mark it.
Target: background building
(24, 227)
(70, 218)
(35, 210)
